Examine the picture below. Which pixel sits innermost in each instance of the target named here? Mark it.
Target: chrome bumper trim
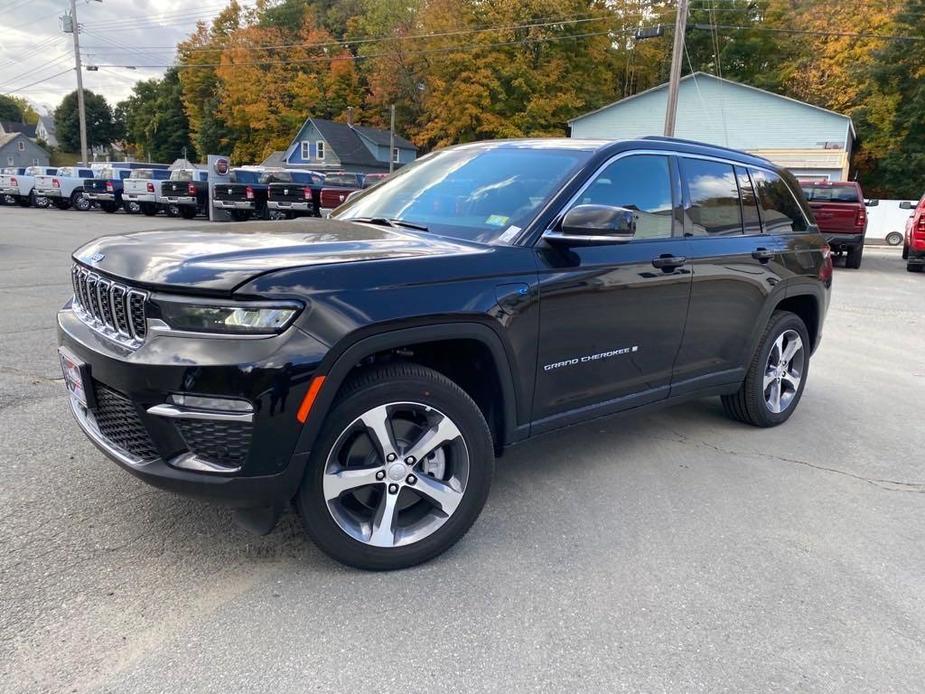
(87, 423)
(175, 412)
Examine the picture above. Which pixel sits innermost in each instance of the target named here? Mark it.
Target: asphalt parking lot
(672, 552)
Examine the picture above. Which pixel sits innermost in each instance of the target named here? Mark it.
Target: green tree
(100, 126)
(155, 124)
(18, 110)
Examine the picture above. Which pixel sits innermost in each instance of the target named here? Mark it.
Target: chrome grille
(113, 309)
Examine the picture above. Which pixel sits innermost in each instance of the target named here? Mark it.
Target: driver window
(641, 183)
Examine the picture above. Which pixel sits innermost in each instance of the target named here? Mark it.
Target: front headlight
(240, 318)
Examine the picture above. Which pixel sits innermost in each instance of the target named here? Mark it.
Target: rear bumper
(10, 191)
(138, 197)
(295, 206)
(178, 200)
(841, 241)
(104, 197)
(48, 192)
(233, 204)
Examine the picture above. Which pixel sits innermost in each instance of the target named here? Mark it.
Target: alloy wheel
(784, 371)
(396, 474)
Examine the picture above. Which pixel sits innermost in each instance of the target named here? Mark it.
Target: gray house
(324, 145)
(813, 142)
(18, 150)
(45, 131)
(8, 127)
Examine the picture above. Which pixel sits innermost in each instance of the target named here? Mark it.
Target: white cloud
(114, 32)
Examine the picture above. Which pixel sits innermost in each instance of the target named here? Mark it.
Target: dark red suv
(839, 210)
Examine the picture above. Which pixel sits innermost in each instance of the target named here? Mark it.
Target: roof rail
(664, 138)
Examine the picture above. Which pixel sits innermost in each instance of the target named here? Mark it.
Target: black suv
(370, 366)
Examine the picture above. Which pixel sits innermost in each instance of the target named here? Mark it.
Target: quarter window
(319, 149)
(780, 210)
(714, 197)
(641, 183)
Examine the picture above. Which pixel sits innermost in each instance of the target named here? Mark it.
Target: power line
(44, 79)
(451, 49)
(856, 34)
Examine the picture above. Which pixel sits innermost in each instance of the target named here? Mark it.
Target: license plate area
(76, 378)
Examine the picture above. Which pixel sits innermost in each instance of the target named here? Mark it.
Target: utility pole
(677, 57)
(82, 114)
(391, 138)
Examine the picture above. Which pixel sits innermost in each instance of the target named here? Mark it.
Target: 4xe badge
(93, 259)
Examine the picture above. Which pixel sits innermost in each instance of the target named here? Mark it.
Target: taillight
(13, 181)
(249, 193)
(190, 189)
(825, 270)
(109, 187)
(862, 217)
(308, 193)
(55, 183)
(150, 187)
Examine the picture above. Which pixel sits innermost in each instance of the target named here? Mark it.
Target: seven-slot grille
(118, 311)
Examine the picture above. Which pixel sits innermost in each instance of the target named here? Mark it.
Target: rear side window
(750, 217)
(336, 179)
(713, 197)
(641, 183)
(779, 208)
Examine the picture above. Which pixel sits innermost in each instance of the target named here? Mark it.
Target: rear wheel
(913, 267)
(853, 259)
(905, 252)
(894, 238)
(80, 201)
(62, 204)
(776, 376)
(149, 209)
(241, 215)
(109, 206)
(188, 212)
(400, 471)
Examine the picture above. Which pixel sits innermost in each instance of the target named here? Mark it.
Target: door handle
(666, 261)
(762, 254)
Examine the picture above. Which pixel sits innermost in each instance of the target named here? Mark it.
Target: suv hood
(223, 257)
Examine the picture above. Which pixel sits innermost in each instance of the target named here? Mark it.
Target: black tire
(241, 215)
(187, 212)
(148, 209)
(748, 403)
(894, 238)
(853, 259)
(109, 207)
(905, 252)
(79, 201)
(25, 201)
(912, 267)
(64, 204)
(373, 388)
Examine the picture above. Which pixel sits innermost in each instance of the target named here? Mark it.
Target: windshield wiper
(387, 222)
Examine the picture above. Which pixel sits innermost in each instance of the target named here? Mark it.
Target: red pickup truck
(839, 210)
(914, 242)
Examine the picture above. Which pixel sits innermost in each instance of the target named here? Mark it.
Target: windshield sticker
(509, 233)
(497, 220)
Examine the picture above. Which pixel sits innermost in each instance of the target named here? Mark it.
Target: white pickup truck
(66, 187)
(144, 188)
(21, 187)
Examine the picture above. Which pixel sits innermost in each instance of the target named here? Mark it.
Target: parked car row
(252, 192)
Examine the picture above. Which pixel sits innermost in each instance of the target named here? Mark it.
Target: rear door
(610, 320)
(735, 267)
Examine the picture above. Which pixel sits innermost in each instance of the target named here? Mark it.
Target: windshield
(181, 175)
(477, 193)
(836, 193)
(245, 176)
(340, 179)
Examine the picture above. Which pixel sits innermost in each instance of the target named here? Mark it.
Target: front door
(612, 316)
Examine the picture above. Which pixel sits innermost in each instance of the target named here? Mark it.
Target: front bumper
(102, 197)
(272, 374)
(294, 206)
(840, 241)
(233, 204)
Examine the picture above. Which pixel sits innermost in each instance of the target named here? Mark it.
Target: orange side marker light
(309, 399)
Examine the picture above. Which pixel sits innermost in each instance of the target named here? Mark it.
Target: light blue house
(813, 142)
(323, 145)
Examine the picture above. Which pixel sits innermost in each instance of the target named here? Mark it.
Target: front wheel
(401, 469)
(894, 238)
(776, 376)
(80, 202)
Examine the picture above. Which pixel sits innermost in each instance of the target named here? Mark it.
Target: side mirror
(873, 203)
(586, 225)
(906, 205)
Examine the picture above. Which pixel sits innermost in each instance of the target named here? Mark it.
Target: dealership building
(812, 142)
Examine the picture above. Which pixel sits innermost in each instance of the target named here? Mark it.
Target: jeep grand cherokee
(369, 367)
